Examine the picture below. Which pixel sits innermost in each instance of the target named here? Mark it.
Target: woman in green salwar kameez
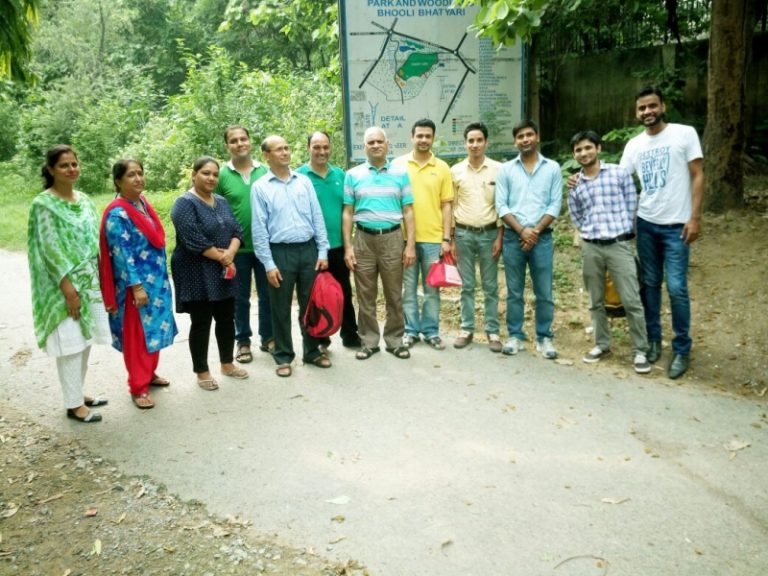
(63, 245)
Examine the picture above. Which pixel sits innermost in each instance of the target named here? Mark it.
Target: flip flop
(93, 402)
(208, 384)
(244, 354)
(236, 372)
(143, 401)
(159, 381)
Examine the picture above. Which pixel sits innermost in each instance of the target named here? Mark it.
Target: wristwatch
(447, 240)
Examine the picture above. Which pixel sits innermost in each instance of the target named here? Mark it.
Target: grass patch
(16, 195)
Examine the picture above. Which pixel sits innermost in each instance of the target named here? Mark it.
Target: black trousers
(202, 314)
(340, 272)
(296, 262)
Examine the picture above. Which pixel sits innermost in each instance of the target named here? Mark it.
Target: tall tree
(16, 19)
(731, 27)
(730, 41)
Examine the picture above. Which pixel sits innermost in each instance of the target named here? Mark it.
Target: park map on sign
(405, 65)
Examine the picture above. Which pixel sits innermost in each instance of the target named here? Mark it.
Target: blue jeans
(475, 247)
(428, 322)
(540, 261)
(248, 265)
(663, 253)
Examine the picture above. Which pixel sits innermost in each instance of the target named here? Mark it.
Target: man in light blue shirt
(528, 199)
(290, 239)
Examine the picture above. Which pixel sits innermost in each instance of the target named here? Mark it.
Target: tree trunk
(724, 134)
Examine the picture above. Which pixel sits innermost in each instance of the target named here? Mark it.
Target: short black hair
(312, 135)
(476, 126)
(423, 123)
(590, 135)
(527, 123)
(231, 127)
(649, 91)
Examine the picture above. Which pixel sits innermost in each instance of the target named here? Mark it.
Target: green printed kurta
(62, 240)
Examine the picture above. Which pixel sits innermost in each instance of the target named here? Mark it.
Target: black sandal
(321, 361)
(244, 354)
(364, 353)
(400, 352)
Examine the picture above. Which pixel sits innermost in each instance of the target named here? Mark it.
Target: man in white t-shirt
(667, 159)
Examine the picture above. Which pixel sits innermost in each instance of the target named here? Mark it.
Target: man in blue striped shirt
(290, 239)
(602, 206)
(377, 201)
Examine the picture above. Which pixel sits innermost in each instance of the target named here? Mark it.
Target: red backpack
(325, 307)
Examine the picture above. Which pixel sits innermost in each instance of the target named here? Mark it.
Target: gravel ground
(65, 512)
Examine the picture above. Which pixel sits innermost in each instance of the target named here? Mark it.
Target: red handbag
(443, 273)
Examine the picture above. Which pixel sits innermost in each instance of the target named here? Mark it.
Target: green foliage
(16, 20)
(98, 119)
(159, 80)
(614, 141)
(9, 120)
(506, 21)
(303, 33)
(587, 26)
(219, 92)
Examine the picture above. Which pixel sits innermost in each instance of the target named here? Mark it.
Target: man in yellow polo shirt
(432, 199)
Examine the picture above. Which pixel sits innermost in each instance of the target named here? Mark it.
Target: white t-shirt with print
(661, 163)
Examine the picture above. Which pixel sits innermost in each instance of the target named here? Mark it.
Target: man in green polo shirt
(328, 181)
(235, 180)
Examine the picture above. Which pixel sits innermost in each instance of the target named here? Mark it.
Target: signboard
(403, 60)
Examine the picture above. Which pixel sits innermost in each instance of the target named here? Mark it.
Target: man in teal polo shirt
(377, 201)
(328, 181)
(235, 180)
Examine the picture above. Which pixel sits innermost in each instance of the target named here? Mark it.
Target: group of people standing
(384, 220)
(480, 210)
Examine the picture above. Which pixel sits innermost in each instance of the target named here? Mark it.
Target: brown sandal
(284, 370)
(236, 372)
(321, 361)
(159, 381)
(143, 401)
(208, 384)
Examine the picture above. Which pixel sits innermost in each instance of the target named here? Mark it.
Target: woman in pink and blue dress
(134, 281)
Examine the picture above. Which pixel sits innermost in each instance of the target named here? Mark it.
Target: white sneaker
(546, 348)
(641, 364)
(596, 354)
(512, 346)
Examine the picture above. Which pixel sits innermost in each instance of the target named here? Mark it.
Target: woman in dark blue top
(202, 264)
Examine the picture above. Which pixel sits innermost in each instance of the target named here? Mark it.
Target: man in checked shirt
(602, 206)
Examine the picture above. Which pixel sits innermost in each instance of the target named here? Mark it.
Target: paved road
(451, 463)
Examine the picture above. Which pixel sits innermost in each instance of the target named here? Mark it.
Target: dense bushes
(217, 93)
(109, 83)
